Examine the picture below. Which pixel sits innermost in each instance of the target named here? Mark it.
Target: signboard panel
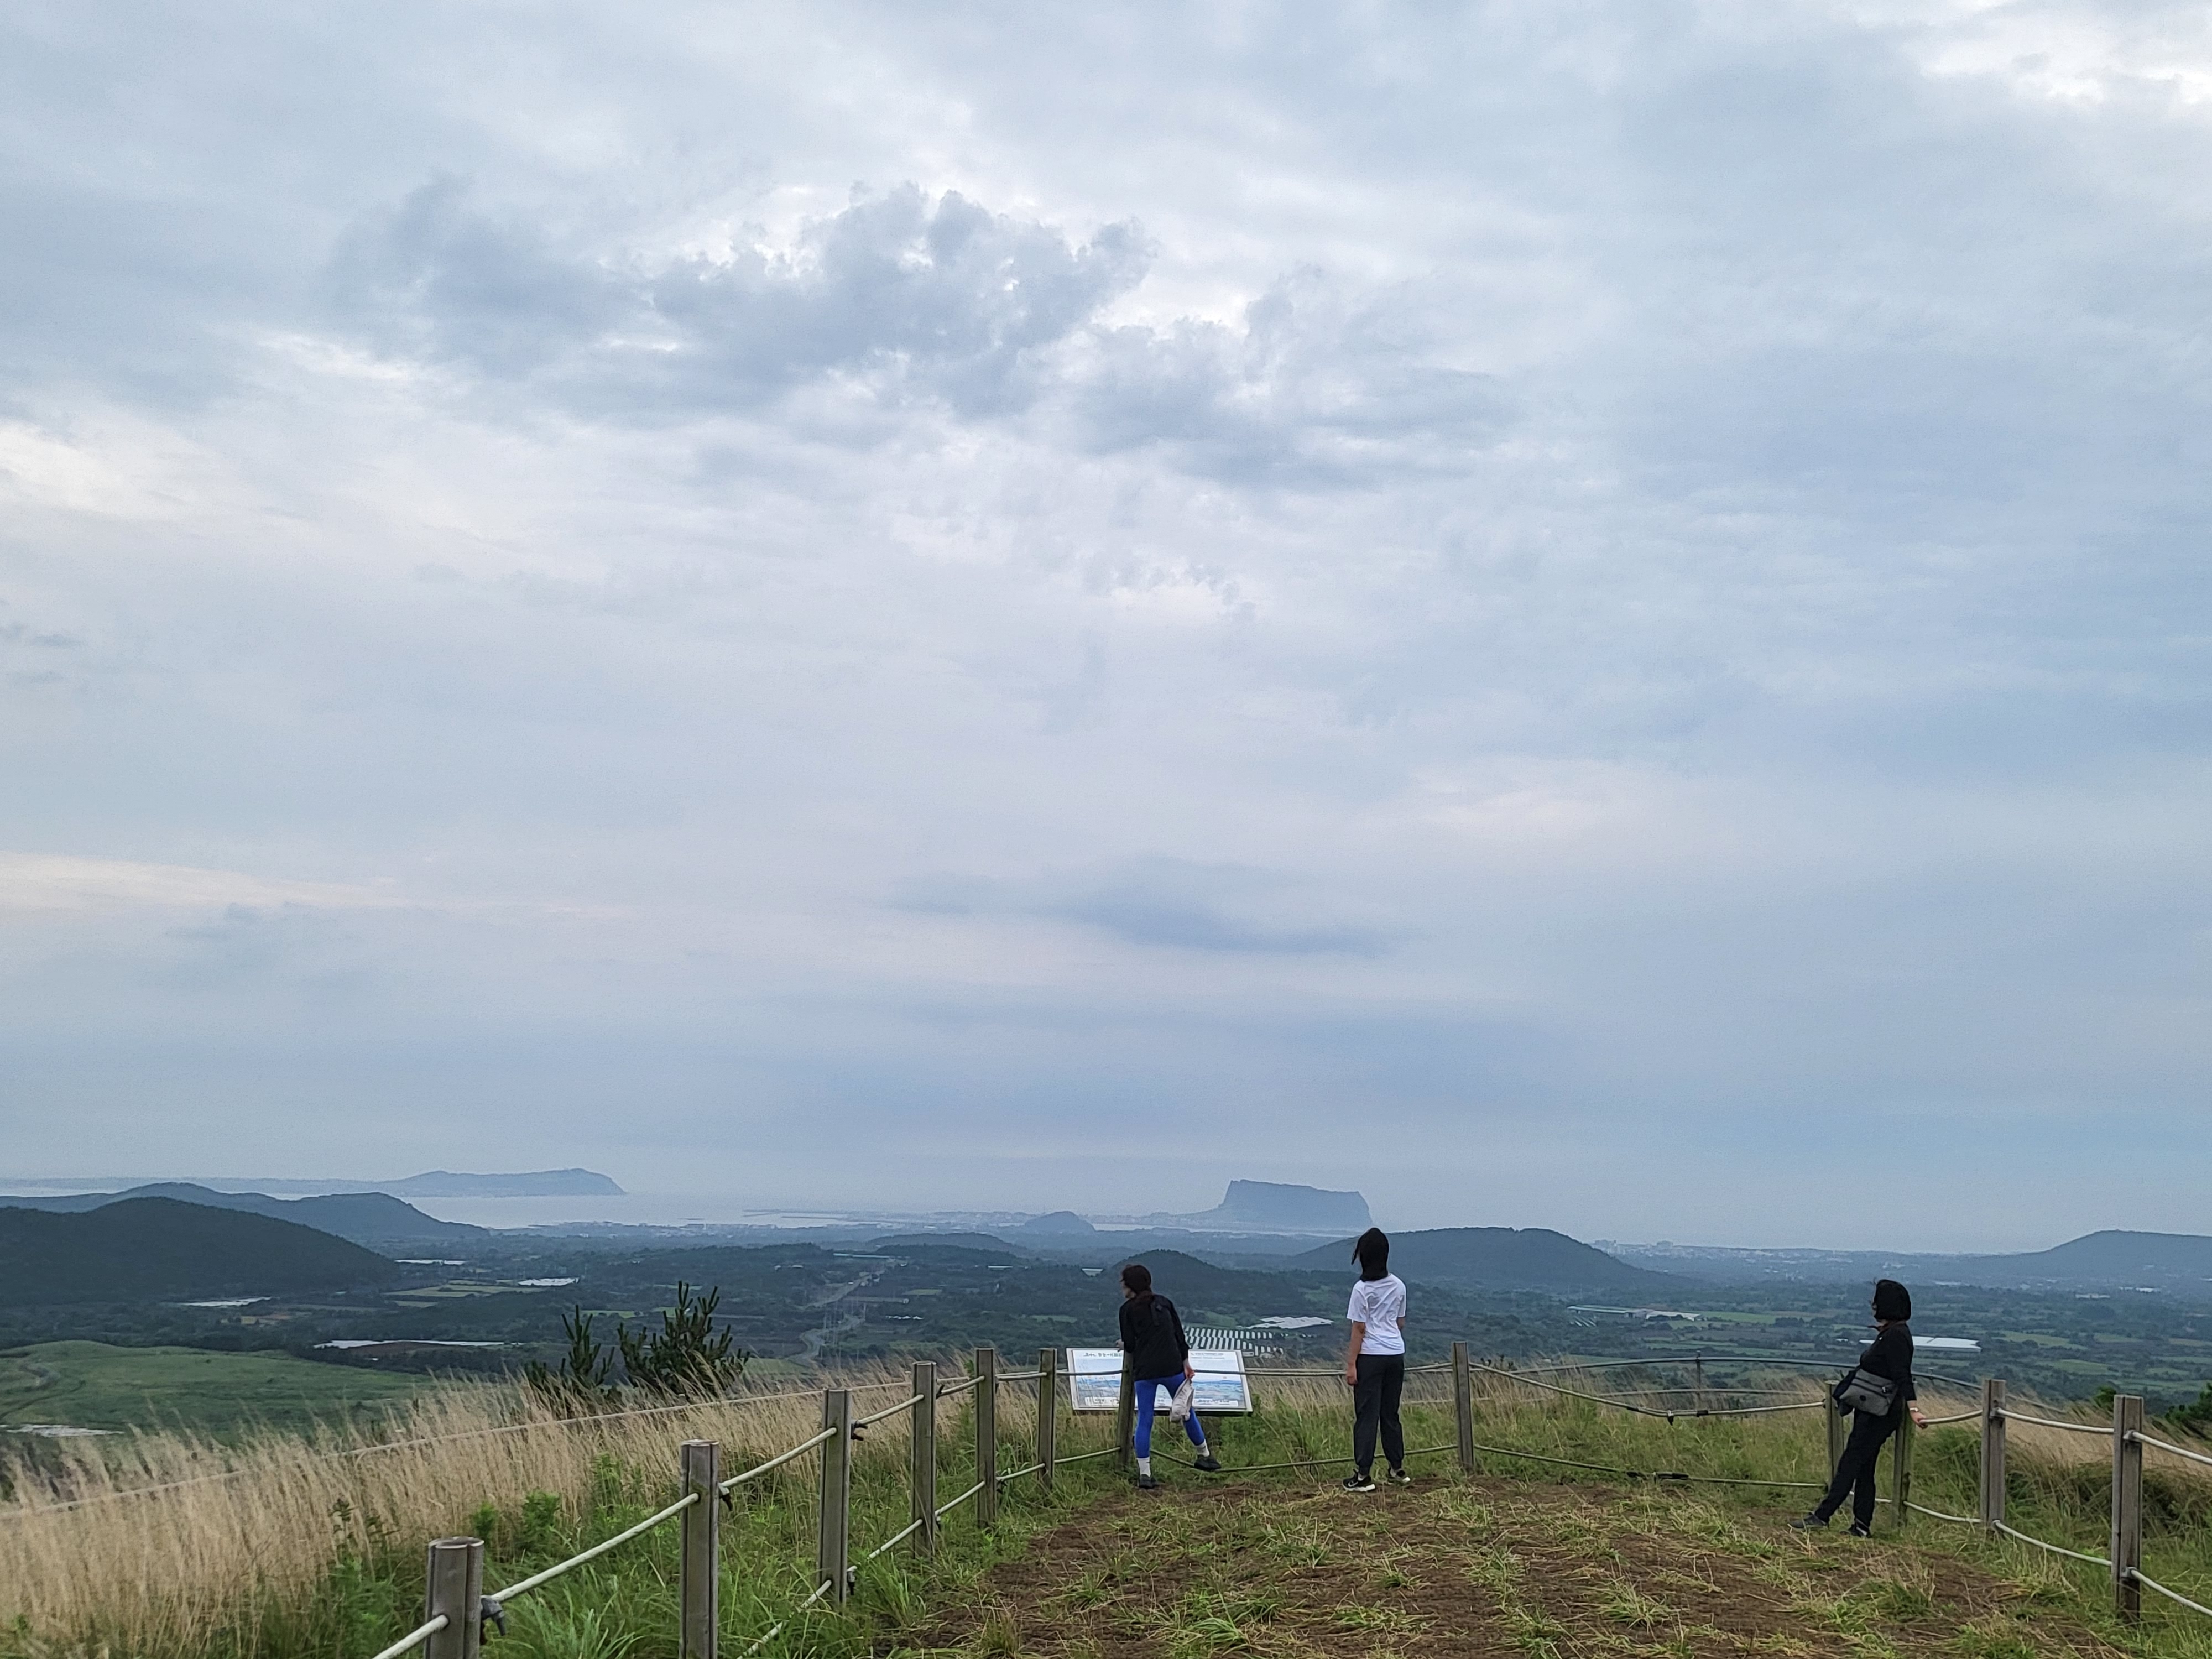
(1094, 1381)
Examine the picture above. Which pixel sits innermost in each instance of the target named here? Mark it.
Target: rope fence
(456, 1609)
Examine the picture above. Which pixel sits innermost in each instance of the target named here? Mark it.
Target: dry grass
(162, 1572)
(92, 1560)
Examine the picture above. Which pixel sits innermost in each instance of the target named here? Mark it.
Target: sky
(1577, 615)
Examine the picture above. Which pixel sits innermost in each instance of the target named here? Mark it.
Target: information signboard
(1094, 1381)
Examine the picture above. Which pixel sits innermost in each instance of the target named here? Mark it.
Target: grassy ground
(1485, 1566)
(310, 1548)
(91, 1385)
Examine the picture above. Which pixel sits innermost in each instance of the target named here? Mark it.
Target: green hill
(1503, 1259)
(370, 1218)
(153, 1249)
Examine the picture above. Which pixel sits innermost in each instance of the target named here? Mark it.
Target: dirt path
(1482, 1568)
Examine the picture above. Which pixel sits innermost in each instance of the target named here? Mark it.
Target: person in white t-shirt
(1375, 1363)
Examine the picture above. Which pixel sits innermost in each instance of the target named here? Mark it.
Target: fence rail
(457, 1608)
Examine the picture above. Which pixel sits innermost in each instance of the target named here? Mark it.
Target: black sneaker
(1359, 1483)
(1145, 1483)
(1207, 1463)
(1400, 1478)
(1858, 1531)
(1808, 1524)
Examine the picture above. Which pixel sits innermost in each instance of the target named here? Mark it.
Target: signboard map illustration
(1094, 1381)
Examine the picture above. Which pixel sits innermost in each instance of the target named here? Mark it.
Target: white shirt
(1379, 1304)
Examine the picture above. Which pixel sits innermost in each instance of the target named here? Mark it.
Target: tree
(686, 1358)
(581, 1382)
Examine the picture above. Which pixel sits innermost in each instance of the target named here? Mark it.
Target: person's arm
(1352, 1353)
(1183, 1342)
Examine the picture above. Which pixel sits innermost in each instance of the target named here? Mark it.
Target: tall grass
(287, 1545)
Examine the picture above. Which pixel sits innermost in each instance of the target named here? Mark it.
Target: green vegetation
(92, 1385)
(1558, 1560)
(145, 1249)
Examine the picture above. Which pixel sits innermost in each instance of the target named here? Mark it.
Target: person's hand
(1918, 1421)
(1188, 1375)
(1351, 1376)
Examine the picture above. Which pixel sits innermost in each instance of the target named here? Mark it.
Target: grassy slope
(144, 1249)
(1519, 1558)
(1483, 1566)
(91, 1385)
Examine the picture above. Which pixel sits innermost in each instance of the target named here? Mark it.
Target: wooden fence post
(1047, 1416)
(456, 1589)
(700, 1465)
(1839, 1422)
(922, 1456)
(1901, 1470)
(1463, 1404)
(834, 1542)
(1698, 1380)
(1125, 1415)
(987, 1436)
(1993, 1453)
(2127, 1506)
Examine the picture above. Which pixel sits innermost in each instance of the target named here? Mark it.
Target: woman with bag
(1879, 1391)
(1159, 1357)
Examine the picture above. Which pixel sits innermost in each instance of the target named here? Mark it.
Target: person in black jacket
(1152, 1339)
(1890, 1355)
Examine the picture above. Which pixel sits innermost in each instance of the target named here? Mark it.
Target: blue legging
(1147, 1396)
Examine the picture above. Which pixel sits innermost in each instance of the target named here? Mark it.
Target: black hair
(1139, 1278)
(1892, 1300)
(1372, 1251)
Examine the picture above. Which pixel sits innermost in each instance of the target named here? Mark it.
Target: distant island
(1270, 1207)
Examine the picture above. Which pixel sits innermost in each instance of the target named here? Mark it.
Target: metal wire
(2012, 1416)
(11, 1512)
(2142, 1439)
(1302, 1463)
(1085, 1457)
(959, 1501)
(1959, 1520)
(2056, 1549)
(1647, 1411)
(776, 1629)
(781, 1458)
(911, 1399)
(597, 1550)
(905, 1531)
(413, 1637)
(2171, 1596)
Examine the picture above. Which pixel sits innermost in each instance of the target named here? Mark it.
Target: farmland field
(93, 1385)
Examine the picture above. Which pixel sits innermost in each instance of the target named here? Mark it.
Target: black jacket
(1152, 1336)
(1890, 1355)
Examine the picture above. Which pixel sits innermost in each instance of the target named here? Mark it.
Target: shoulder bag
(1861, 1390)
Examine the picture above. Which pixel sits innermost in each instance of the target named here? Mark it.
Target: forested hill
(370, 1218)
(1503, 1259)
(147, 1249)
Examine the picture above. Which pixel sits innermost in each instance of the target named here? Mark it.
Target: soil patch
(1482, 1567)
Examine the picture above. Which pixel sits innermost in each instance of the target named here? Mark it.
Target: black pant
(1375, 1400)
(1855, 1469)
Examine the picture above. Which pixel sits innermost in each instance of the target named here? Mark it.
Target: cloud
(904, 294)
(1599, 589)
(1162, 904)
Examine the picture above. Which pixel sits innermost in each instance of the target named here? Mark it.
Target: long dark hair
(1138, 1278)
(1373, 1251)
